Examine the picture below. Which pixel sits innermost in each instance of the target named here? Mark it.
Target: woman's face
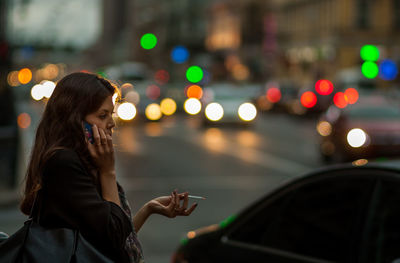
(103, 116)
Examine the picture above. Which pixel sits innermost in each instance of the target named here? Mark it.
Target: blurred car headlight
(126, 111)
(192, 106)
(247, 111)
(168, 106)
(324, 128)
(214, 111)
(356, 137)
(153, 112)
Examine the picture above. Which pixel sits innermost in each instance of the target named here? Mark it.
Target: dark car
(343, 213)
(367, 129)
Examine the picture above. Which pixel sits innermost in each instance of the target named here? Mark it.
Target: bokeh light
(179, 54)
(308, 99)
(191, 234)
(388, 70)
(214, 111)
(194, 91)
(360, 162)
(24, 120)
(153, 92)
(263, 103)
(148, 41)
(194, 74)
(369, 53)
(114, 98)
(50, 71)
(161, 76)
(36, 92)
(12, 79)
(240, 72)
(48, 88)
(340, 100)
(192, 106)
(247, 111)
(153, 112)
(126, 86)
(351, 95)
(356, 138)
(25, 76)
(274, 95)
(168, 106)
(324, 128)
(369, 69)
(323, 87)
(133, 97)
(328, 148)
(126, 111)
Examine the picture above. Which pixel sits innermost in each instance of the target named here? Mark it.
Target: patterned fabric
(132, 244)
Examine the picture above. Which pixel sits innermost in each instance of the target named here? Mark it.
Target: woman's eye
(103, 117)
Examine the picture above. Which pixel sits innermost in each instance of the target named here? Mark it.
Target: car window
(318, 219)
(383, 234)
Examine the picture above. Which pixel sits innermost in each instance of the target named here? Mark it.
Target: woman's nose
(111, 124)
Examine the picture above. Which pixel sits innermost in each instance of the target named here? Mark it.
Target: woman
(77, 180)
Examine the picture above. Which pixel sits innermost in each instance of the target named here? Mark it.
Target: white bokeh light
(192, 106)
(126, 111)
(356, 138)
(214, 111)
(36, 92)
(247, 111)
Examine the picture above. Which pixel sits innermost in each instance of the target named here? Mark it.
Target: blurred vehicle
(128, 71)
(316, 104)
(277, 96)
(225, 103)
(343, 213)
(145, 98)
(368, 129)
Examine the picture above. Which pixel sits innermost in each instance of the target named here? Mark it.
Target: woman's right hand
(102, 151)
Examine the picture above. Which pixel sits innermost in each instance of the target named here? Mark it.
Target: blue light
(179, 54)
(388, 70)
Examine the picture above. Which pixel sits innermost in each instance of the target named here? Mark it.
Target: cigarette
(196, 197)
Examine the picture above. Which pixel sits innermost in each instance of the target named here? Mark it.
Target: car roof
(391, 166)
(361, 164)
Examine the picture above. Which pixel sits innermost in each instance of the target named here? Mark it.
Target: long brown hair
(75, 96)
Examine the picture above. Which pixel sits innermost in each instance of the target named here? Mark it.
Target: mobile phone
(88, 132)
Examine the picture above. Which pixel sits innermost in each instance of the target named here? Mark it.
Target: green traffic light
(369, 69)
(194, 74)
(369, 53)
(148, 41)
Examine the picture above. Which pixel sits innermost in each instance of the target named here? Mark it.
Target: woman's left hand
(171, 206)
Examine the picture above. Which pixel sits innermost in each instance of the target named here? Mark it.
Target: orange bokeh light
(340, 100)
(25, 75)
(351, 95)
(194, 91)
(308, 99)
(24, 120)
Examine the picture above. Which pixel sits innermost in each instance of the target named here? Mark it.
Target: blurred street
(224, 99)
(231, 166)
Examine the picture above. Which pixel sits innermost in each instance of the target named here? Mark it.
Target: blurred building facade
(252, 40)
(320, 38)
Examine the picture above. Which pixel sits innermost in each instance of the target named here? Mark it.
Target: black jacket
(69, 198)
